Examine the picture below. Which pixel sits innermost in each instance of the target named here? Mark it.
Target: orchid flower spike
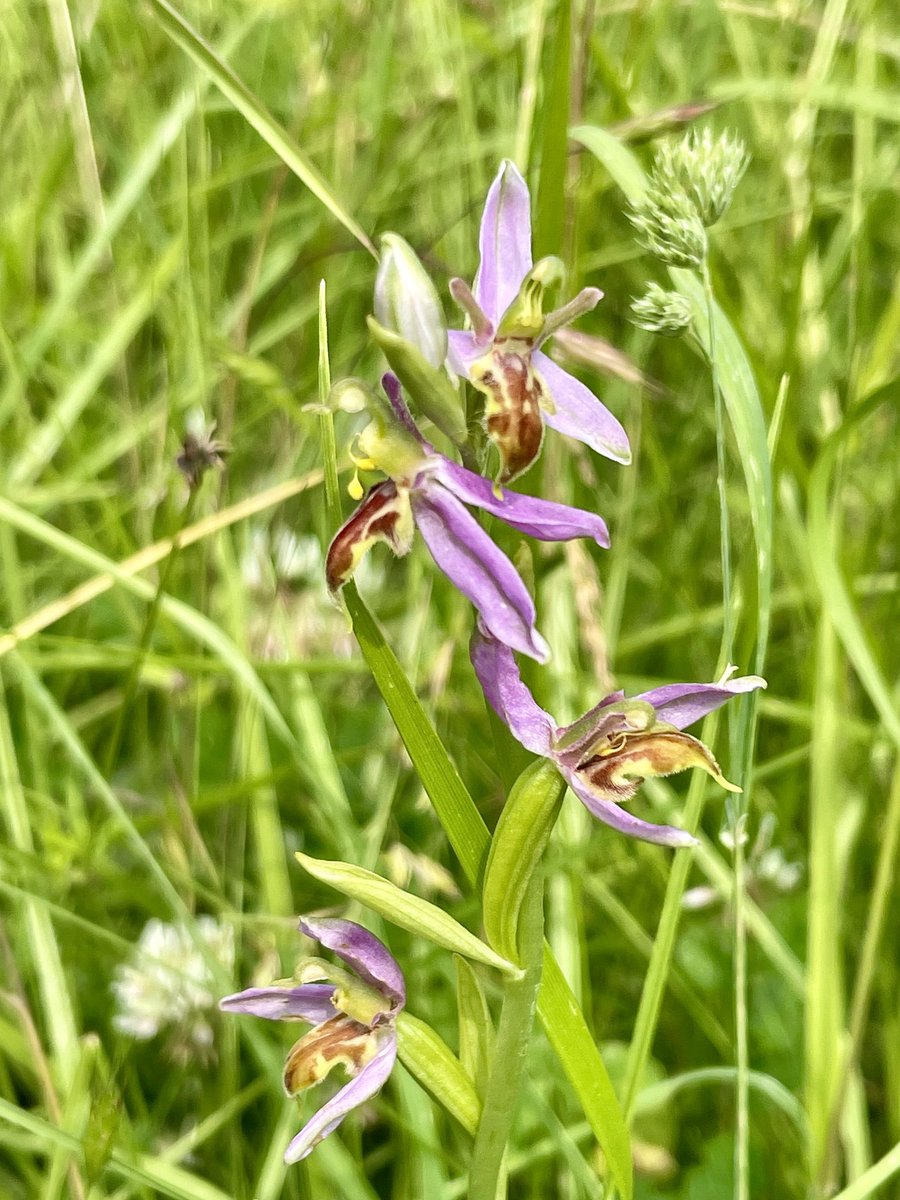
(425, 489)
(501, 352)
(352, 1014)
(605, 755)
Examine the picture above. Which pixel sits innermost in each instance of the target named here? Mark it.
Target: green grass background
(158, 256)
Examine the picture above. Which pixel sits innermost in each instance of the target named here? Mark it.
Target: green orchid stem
(510, 1049)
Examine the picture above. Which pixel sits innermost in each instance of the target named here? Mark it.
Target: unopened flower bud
(706, 169)
(659, 311)
(406, 301)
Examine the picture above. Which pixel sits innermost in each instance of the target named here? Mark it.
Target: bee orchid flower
(352, 1013)
(501, 351)
(605, 755)
(425, 489)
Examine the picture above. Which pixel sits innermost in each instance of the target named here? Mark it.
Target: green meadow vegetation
(193, 198)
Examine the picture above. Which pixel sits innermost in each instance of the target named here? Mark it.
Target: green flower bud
(406, 301)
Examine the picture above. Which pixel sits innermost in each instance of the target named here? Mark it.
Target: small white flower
(168, 983)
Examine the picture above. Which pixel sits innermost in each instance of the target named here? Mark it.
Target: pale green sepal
(429, 387)
(409, 912)
(476, 1031)
(520, 839)
(433, 1064)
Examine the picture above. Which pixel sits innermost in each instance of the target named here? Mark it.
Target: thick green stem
(510, 1049)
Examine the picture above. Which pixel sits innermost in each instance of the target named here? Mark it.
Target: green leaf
(575, 1048)
(409, 912)
(520, 840)
(454, 806)
(234, 88)
(431, 1061)
(624, 169)
(476, 1031)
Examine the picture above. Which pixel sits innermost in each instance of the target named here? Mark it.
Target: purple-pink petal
(478, 567)
(542, 519)
(681, 704)
(367, 1083)
(363, 952)
(504, 241)
(309, 1002)
(498, 674)
(617, 818)
(579, 413)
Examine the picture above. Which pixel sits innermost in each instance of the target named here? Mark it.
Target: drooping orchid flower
(605, 755)
(425, 489)
(501, 352)
(352, 1014)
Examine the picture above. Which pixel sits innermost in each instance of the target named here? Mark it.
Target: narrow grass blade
(827, 571)
(50, 434)
(550, 212)
(234, 88)
(745, 413)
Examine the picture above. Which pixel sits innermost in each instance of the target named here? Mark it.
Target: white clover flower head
(659, 311)
(169, 984)
(705, 168)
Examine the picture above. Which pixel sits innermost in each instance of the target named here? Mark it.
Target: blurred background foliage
(159, 265)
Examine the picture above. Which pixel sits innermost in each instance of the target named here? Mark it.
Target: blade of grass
(250, 107)
(550, 214)
(44, 442)
(826, 568)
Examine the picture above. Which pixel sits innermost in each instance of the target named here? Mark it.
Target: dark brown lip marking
(633, 757)
(513, 411)
(378, 517)
(339, 1040)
